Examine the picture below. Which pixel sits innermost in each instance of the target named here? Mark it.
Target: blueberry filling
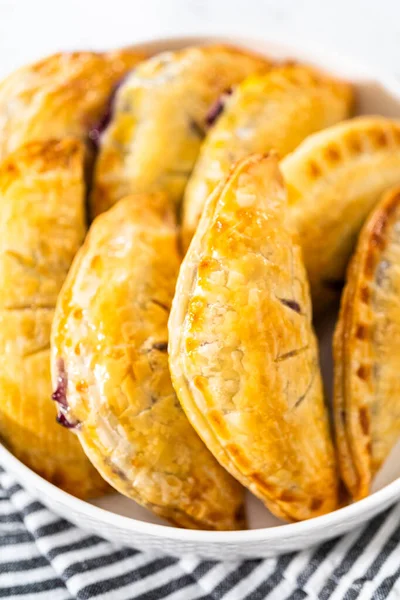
(217, 108)
(63, 420)
(291, 304)
(60, 396)
(98, 128)
(60, 393)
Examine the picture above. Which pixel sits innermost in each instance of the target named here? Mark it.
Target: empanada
(160, 118)
(276, 110)
(334, 178)
(110, 366)
(367, 350)
(63, 95)
(243, 355)
(41, 227)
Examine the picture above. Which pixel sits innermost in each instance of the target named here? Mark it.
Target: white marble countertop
(364, 29)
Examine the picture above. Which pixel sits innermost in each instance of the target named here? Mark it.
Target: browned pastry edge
(179, 481)
(190, 384)
(354, 444)
(29, 177)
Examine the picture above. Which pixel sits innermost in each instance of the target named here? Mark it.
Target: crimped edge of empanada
(326, 151)
(88, 435)
(176, 351)
(354, 443)
(319, 161)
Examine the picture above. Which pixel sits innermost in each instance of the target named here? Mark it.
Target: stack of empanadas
(183, 354)
(47, 111)
(160, 119)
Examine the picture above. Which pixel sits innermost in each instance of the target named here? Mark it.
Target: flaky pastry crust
(334, 178)
(62, 95)
(367, 351)
(243, 355)
(41, 227)
(160, 118)
(276, 110)
(109, 353)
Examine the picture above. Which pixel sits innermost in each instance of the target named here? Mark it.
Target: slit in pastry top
(110, 338)
(243, 354)
(367, 350)
(160, 119)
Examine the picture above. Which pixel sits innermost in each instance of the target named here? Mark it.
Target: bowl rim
(305, 51)
(383, 497)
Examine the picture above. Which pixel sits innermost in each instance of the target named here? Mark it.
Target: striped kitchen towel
(44, 556)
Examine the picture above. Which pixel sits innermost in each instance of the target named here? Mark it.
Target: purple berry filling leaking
(217, 108)
(97, 129)
(60, 396)
(291, 304)
(62, 419)
(60, 393)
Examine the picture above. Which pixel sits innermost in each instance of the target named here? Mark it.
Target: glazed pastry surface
(367, 351)
(41, 227)
(63, 95)
(243, 355)
(160, 119)
(276, 110)
(334, 178)
(109, 356)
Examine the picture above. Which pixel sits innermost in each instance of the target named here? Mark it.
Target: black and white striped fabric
(44, 556)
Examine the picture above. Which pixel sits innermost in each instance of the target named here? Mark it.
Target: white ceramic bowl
(123, 521)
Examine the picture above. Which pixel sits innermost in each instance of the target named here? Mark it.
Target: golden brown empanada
(367, 350)
(334, 178)
(41, 227)
(63, 95)
(160, 119)
(276, 110)
(243, 355)
(110, 364)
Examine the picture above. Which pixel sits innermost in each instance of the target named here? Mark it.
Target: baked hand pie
(367, 351)
(41, 227)
(275, 110)
(63, 95)
(334, 178)
(110, 369)
(243, 355)
(160, 118)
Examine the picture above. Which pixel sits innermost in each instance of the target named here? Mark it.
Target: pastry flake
(367, 351)
(334, 178)
(42, 224)
(160, 119)
(110, 370)
(243, 355)
(275, 110)
(62, 95)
